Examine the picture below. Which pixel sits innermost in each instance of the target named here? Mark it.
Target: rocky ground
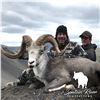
(24, 93)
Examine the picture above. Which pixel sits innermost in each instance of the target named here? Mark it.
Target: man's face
(61, 38)
(85, 40)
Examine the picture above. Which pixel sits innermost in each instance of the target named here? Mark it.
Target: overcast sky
(35, 18)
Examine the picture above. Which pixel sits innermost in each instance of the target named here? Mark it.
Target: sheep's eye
(41, 51)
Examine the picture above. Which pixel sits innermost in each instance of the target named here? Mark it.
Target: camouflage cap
(86, 34)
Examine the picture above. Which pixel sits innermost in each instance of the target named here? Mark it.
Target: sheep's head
(34, 48)
(34, 53)
(37, 49)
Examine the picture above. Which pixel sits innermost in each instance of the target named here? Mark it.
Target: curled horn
(26, 42)
(48, 38)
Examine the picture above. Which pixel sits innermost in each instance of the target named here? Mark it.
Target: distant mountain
(13, 49)
(10, 48)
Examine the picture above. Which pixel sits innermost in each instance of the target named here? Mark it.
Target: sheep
(56, 72)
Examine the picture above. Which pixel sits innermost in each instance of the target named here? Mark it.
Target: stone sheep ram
(56, 72)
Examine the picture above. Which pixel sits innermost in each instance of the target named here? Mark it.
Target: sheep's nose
(31, 62)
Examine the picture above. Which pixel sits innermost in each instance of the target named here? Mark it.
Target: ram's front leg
(57, 84)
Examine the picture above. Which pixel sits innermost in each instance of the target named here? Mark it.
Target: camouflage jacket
(90, 50)
(72, 49)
